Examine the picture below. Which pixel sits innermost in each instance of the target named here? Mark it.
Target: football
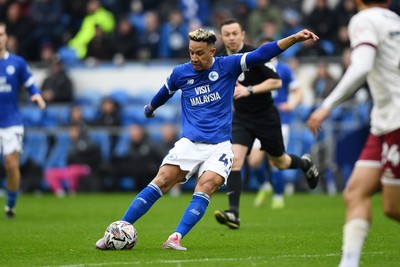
(120, 235)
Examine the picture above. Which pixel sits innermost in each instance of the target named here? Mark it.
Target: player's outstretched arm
(301, 36)
(38, 99)
(158, 100)
(270, 50)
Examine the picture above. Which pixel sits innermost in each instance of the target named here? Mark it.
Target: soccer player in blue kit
(204, 149)
(14, 73)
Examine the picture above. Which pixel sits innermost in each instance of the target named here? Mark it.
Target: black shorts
(267, 129)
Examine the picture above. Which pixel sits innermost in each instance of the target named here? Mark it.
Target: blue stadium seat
(122, 144)
(143, 97)
(168, 113)
(295, 142)
(133, 114)
(91, 97)
(68, 56)
(31, 115)
(364, 110)
(89, 112)
(308, 141)
(301, 113)
(36, 147)
(336, 113)
(56, 115)
(154, 132)
(127, 183)
(102, 138)
(59, 153)
(120, 96)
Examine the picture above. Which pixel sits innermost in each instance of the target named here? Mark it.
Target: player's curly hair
(203, 35)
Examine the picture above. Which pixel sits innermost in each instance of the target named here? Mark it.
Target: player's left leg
(272, 142)
(13, 182)
(208, 183)
(363, 183)
(305, 163)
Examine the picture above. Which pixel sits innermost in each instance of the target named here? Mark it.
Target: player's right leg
(213, 172)
(230, 217)
(362, 184)
(12, 148)
(391, 182)
(167, 176)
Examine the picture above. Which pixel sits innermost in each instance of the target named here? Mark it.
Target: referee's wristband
(250, 89)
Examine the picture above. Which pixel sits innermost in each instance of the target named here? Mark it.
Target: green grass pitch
(49, 231)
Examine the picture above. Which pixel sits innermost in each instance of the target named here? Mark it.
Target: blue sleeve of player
(261, 54)
(234, 64)
(161, 97)
(27, 79)
(165, 93)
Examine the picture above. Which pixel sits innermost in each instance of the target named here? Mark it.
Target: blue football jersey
(207, 98)
(288, 82)
(14, 73)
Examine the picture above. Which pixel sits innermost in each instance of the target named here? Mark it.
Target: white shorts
(11, 139)
(201, 157)
(285, 135)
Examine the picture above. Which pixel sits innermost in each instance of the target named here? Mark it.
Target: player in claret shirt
(375, 41)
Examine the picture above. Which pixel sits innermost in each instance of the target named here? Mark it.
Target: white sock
(355, 232)
(265, 186)
(177, 234)
(277, 198)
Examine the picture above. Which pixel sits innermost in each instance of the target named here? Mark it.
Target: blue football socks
(278, 182)
(11, 199)
(142, 203)
(193, 213)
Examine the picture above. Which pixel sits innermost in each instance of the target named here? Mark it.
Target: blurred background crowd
(138, 29)
(102, 142)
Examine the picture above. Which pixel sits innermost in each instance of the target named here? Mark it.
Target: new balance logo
(191, 81)
(143, 200)
(195, 212)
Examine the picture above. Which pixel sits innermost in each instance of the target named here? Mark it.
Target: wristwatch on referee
(250, 89)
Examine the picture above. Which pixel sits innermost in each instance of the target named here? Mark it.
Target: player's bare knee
(350, 195)
(164, 182)
(11, 163)
(11, 166)
(208, 186)
(280, 164)
(237, 164)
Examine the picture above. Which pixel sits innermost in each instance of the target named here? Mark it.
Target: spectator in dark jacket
(141, 162)
(57, 87)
